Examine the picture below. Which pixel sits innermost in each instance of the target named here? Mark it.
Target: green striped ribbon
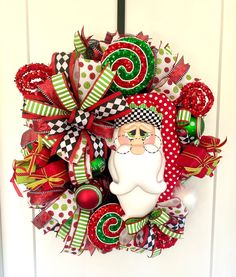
(133, 225)
(81, 229)
(48, 142)
(78, 43)
(65, 228)
(100, 87)
(132, 248)
(155, 253)
(34, 107)
(63, 93)
(183, 117)
(80, 171)
(25, 152)
(157, 217)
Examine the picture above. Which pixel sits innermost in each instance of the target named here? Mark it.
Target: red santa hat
(158, 110)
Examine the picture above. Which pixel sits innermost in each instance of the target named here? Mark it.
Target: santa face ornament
(137, 166)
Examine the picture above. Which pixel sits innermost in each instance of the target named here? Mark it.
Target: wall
(202, 30)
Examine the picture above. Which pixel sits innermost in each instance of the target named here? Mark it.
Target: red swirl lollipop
(134, 61)
(105, 226)
(197, 98)
(30, 76)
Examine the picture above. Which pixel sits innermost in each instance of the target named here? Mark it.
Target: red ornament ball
(88, 196)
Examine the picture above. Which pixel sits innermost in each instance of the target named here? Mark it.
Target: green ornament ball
(98, 165)
(195, 128)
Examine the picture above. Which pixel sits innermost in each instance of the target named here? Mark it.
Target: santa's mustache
(130, 171)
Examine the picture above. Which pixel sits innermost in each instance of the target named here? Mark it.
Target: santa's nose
(137, 147)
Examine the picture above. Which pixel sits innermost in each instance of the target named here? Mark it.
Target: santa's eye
(131, 134)
(143, 134)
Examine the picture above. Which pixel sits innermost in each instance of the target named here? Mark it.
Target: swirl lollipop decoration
(30, 76)
(105, 226)
(134, 61)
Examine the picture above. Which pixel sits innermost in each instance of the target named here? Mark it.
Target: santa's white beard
(136, 181)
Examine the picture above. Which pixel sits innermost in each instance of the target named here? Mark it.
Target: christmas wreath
(114, 127)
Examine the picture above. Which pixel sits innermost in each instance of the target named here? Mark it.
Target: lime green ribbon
(183, 117)
(157, 217)
(75, 228)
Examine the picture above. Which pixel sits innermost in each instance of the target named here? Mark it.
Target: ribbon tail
(169, 233)
(79, 171)
(81, 230)
(74, 231)
(155, 252)
(13, 181)
(79, 44)
(192, 170)
(179, 71)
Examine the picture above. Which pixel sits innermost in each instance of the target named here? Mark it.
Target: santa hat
(156, 109)
(143, 109)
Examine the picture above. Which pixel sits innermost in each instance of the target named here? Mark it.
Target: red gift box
(53, 175)
(38, 155)
(211, 144)
(196, 161)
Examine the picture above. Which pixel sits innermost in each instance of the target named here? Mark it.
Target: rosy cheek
(123, 140)
(150, 140)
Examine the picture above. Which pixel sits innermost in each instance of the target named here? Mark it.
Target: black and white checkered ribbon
(80, 120)
(145, 239)
(61, 62)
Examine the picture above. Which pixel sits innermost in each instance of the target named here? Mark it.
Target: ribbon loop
(133, 225)
(183, 117)
(157, 217)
